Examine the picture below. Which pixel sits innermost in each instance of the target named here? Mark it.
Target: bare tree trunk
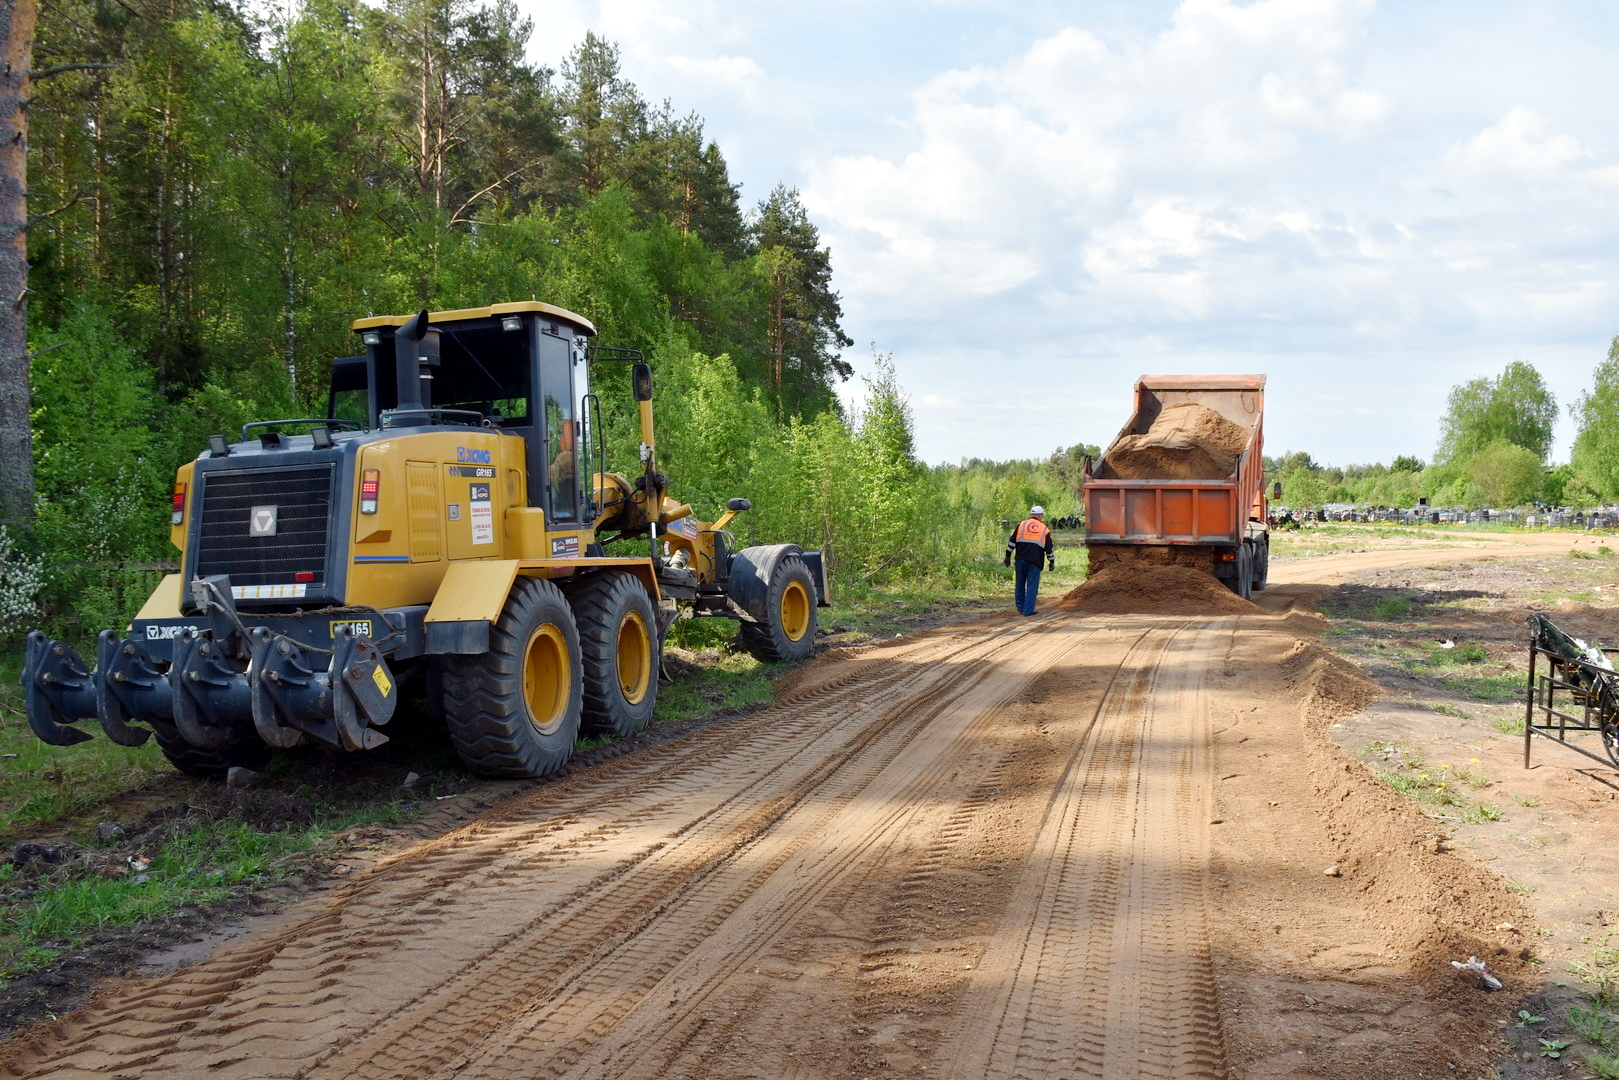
(17, 19)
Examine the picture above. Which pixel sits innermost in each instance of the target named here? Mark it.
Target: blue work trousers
(1028, 584)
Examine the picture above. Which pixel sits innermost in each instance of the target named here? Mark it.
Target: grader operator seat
(520, 367)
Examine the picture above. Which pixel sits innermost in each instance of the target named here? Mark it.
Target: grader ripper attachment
(433, 525)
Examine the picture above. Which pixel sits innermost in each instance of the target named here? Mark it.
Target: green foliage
(1515, 407)
(804, 341)
(201, 864)
(1603, 1066)
(1596, 446)
(1506, 474)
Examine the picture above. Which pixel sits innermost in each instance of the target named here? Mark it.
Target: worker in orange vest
(1031, 544)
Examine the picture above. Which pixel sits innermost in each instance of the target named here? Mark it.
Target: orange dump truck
(1184, 481)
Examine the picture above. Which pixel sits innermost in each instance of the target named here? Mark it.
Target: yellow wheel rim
(546, 684)
(632, 654)
(795, 611)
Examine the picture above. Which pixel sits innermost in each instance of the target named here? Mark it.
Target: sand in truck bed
(1186, 442)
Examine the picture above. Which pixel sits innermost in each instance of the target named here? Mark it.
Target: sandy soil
(1186, 441)
(1094, 843)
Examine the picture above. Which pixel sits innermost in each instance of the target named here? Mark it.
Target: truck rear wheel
(787, 632)
(1243, 583)
(1261, 565)
(618, 643)
(514, 710)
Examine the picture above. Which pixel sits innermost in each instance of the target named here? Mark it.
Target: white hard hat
(1036, 511)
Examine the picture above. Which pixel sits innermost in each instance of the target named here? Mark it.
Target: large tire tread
(249, 752)
(482, 702)
(601, 603)
(768, 641)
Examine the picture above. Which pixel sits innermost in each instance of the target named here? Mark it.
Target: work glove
(1051, 564)
(1007, 561)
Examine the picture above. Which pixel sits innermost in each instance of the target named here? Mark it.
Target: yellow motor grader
(434, 524)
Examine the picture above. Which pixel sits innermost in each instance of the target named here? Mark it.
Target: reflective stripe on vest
(1033, 532)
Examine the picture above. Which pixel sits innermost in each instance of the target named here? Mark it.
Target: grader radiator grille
(267, 527)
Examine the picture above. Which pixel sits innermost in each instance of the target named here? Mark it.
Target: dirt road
(1077, 845)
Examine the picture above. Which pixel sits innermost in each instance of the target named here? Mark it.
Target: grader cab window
(482, 370)
(561, 434)
(348, 397)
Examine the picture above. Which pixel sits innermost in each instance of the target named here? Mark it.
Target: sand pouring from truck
(439, 531)
(1184, 482)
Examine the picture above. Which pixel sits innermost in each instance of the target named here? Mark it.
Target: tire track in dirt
(1102, 967)
(384, 941)
(843, 824)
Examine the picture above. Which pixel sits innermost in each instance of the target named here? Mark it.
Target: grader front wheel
(787, 633)
(249, 752)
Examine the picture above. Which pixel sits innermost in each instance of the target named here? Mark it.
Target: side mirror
(642, 380)
(1276, 492)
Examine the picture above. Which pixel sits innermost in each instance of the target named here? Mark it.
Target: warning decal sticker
(483, 515)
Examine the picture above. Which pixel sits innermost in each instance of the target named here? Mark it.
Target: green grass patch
(47, 909)
(1508, 725)
(719, 682)
(1493, 689)
(1596, 1026)
(1442, 789)
(43, 785)
(1391, 607)
(1603, 1066)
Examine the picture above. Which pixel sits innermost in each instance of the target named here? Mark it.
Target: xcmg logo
(472, 454)
(165, 633)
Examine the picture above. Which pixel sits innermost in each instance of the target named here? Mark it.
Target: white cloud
(1083, 157)
(1516, 145)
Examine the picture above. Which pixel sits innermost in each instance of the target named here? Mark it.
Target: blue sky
(1030, 204)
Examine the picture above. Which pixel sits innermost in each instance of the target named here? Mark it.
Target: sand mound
(1329, 685)
(1126, 588)
(1185, 442)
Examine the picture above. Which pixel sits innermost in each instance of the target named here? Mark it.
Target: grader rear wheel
(618, 641)
(514, 711)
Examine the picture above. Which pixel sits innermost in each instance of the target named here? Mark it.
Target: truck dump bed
(1188, 468)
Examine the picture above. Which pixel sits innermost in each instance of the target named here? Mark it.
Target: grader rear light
(370, 484)
(177, 512)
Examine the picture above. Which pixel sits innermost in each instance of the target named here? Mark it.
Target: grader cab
(452, 518)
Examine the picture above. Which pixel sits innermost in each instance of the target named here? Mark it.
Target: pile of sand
(1329, 685)
(1142, 588)
(1185, 442)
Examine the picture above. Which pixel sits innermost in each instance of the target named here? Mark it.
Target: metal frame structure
(1592, 696)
